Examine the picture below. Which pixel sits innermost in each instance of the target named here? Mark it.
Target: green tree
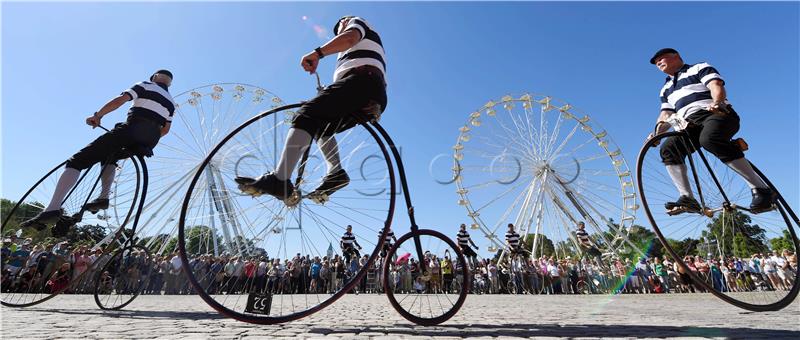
(737, 235)
(683, 247)
(87, 234)
(545, 245)
(156, 242)
(198, 240)
(783, 242)
(22, 213)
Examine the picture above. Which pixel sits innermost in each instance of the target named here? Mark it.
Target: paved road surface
(371, 317)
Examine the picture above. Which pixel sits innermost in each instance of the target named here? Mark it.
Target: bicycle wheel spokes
(731, 247)
(121, 277)
(281, 257)
(47, 270)
(203, 116)
(430, 292)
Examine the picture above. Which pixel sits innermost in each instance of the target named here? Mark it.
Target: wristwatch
(319, 52)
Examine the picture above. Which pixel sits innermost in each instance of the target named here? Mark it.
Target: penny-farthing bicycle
(52, 273)
(300, 235)
(725, 231)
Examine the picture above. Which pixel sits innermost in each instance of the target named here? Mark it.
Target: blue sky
(62, 61)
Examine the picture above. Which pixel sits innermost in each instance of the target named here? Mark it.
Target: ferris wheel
(543, 166)
(203, 116)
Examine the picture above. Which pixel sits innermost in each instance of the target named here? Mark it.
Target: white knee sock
(743, 168)
(296, 143)
(330, 149)
(106, 179)
(65, 183)
(680, 178)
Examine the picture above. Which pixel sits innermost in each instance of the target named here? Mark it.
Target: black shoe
(44, 218)
(63, 225)
(763, 198)
(96, 205)
(266, 184)
(682, 205)
(332, 182)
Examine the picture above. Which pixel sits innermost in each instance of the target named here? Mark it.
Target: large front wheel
(264, 260)
(739, 256)
(426, 294)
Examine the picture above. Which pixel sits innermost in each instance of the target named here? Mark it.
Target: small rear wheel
(427, 296)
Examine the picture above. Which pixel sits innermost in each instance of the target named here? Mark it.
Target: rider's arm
(663, 126)
(473, 243)
(717, 88)
(718, 94)
(341, 42)
(356, 244)
(113, 104)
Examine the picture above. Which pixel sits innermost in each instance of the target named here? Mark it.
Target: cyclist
(587, 246)
(696, 94)
(358, 87)
(463, 242)
(349, 245)
(512, 241)
(149, 119)
(387, 243)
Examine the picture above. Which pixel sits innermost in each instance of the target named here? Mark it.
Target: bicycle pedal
(677, 210)
(293, 200)
(249, 190)
(318, 198)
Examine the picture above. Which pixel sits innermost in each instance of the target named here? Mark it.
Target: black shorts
(711, 131)
(135, 134)
(592, 251)
(468, 252)
(332, 110)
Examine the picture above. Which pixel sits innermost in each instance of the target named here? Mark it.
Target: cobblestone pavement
(371, 317)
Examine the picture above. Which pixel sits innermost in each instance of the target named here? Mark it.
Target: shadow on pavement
(145, 314)
(570, 331)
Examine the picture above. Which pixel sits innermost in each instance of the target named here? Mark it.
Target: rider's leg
(679, 175)
(330, 149)
(673, 154)
(297, 141)
(716, 138)
(67, 180)
(98, 150)
(106, 179)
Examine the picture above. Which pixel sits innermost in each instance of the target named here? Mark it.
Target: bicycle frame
(403, 182)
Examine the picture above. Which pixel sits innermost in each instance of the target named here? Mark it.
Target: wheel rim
(431, 306)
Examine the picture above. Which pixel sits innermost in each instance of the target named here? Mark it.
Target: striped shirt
(463, 238)
(389, 236)
(583, 237)
(368, 51)
(152, 101)
(688, 92)
(348, 239)
(512, 238)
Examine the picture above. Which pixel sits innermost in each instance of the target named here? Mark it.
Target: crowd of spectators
(59, 267)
